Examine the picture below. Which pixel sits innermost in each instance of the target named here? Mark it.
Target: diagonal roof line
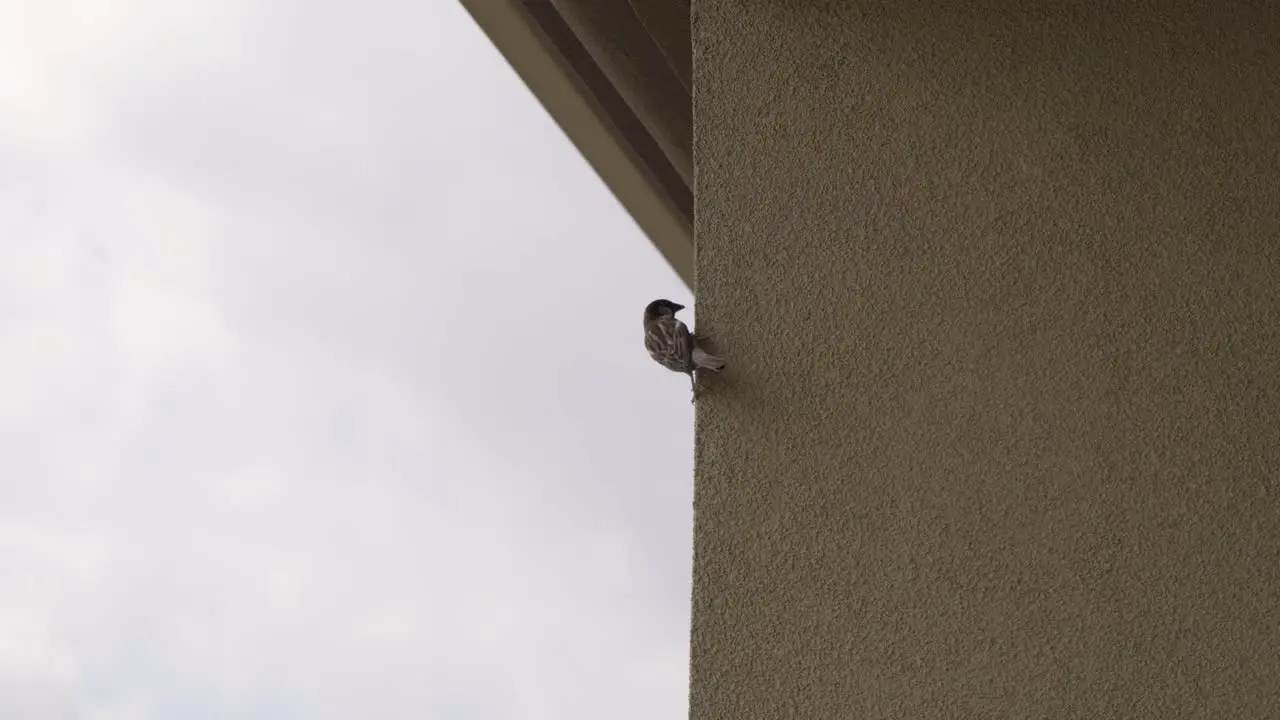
(554, 64)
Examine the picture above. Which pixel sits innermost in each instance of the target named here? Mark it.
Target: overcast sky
(322, 390)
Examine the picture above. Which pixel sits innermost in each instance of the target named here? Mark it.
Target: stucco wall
(1000, 292)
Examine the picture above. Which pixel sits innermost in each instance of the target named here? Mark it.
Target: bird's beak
(676, 307)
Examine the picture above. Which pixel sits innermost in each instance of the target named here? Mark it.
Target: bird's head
(658, 308)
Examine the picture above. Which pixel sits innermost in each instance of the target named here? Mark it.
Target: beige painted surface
(1000, 293)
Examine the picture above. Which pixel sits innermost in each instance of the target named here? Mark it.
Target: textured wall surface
(1000, 292)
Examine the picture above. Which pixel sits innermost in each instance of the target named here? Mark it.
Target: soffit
(616, 76)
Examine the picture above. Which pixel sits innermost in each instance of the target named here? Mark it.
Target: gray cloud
(323, 390)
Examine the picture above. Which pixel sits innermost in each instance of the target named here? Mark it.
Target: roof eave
(580, 110)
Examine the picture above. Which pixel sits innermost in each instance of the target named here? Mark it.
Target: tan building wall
(999, 288)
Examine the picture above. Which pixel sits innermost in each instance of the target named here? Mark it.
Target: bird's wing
(669, 342)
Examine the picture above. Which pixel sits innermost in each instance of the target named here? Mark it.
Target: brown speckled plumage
(672, 346)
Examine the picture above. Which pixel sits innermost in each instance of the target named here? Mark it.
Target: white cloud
(322, 388)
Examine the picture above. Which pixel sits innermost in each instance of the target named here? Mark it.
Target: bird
(672, 346)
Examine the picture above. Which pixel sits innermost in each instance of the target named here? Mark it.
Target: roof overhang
(615, 75)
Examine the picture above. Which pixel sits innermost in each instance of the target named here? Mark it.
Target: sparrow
(672, 346)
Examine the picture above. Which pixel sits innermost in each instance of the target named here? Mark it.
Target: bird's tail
(706, 361)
